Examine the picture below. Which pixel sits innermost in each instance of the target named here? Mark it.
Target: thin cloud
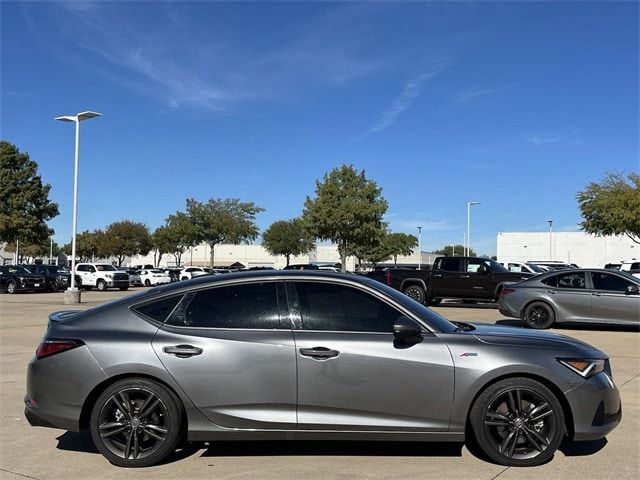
(402, 102)
(468, 94)
(537, 139)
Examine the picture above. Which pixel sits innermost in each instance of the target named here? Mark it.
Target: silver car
(578, 295)
(302, 355)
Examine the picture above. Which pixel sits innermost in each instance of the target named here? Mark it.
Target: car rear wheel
(517, 422)
(539, 315)
(147, 283)
(184, 278)
(12, 287)
(136, 423)
(416, 292)
(101, 285)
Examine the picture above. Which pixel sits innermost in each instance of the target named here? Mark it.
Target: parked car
(100, 275)
(187, 273)
(467, 278)
(134, 276)
(513, 266)
(309, 355)
(57, 277)
(154, 277)
(15, 278)
(631, 267)
(146, 266)
(301, 266)
(549, 265)
(577, 295)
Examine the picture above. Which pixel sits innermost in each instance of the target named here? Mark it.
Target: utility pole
(550, 222)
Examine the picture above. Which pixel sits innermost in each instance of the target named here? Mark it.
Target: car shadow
(580, 449)
(467, 304)
(607, 327)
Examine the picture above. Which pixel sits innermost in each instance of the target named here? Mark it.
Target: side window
(451, 264)
(551, 281)
(253, 305)
(158, 310)
(81, 268)
(606, 281)
(635, 266)
(473, 265)
(571, 280)
(514, 267)
(331, 307)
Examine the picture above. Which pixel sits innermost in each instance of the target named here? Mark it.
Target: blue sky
(516, 105)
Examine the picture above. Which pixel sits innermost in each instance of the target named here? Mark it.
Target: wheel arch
(564, 403)
(408, 282)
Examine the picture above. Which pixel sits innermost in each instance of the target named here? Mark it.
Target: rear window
(158, 310)
(451, 264)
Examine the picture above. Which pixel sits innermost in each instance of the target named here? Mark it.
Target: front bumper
(596, 408)
(117, 283)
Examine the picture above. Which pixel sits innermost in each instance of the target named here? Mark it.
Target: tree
(457, 251)
(162, 242)
(30, 251)
(287, 237)
(126, 239)
(182, 233)
(221, 220)
(89, 245)
(347, 209)
(612, 207)
(24, 200)
(399, 244)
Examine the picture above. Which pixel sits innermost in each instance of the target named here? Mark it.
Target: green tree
(287, 237)
(89, 245)
(612, 207)
(126, 239)
(24, 200)
(30, 251)
(182, 232)
(348, 209)
(223, 220)
(162, 242)
(457, 251)
(399, 244)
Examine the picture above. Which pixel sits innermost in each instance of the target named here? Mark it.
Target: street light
(550, 222)
(419, 248)
(468, 248)
(74, 294)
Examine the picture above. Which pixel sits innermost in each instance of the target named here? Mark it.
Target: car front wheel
(101, 285)
(517, 422)
(136, 423)
(11, 287)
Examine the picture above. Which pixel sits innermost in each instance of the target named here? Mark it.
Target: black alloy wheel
(518, 422)
(416, 292)
(539, 315)
(136, 423)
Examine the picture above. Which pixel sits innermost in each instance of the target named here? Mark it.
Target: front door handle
(465, 276)
(319, 353)
(182, 351)
(438, 275)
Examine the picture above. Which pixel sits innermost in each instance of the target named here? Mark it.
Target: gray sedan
(579, 295)
(301, 355)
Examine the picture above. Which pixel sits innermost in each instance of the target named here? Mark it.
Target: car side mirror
(405, 329)
(633, 290)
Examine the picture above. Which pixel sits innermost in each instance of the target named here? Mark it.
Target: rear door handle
(182, 351)
(319, 353)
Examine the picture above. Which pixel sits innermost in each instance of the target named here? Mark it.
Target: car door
(353, 375)
(231, 350)
(571, 297)
(476, 281)
(446, 279)
(610, 300)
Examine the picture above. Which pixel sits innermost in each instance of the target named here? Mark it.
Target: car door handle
(438, 276)
(465, 276)
(319, 353)
(182, 351)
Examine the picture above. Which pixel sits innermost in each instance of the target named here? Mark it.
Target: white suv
(101, 276)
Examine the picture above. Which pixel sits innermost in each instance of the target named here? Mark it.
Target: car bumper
(596, 408)
(117, 283)
(507, 310)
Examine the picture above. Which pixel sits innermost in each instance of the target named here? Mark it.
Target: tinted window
(635, 266)
(451, 264)
(571, 280)
(160, 309)
(253, 305)
(82, 268)
(551, 281)
(606, 281)
(325, 306)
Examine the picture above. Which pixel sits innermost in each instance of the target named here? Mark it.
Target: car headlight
(108, 275)
(586, 368)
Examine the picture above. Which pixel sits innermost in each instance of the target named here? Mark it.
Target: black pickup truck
(467, 278)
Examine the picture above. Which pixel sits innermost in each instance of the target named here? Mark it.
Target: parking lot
(40, 453)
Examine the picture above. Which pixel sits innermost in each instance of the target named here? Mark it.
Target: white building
(583, 249)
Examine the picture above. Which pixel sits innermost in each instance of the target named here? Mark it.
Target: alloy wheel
(538, 315)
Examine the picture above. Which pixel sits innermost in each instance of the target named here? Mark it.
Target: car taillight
(388, 277)
(506, 291)
(56, 345)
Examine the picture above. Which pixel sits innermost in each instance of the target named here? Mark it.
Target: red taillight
(53, 346)
(506, 291)
(388, 277)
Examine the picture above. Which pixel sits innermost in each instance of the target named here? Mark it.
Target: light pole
(468, 248)
(550, 222)
(453, 250)
(73, 294)
(419, 248)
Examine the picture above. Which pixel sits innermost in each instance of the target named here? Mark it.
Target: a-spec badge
(469, 354)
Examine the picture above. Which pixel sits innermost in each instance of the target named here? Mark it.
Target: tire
(416, 292)
(122, 289)
(101, 285)
(78, 282)
(147, 283)
(184, 278)
(12, 287)
(147, 446)
(504, 428)
(434, 301)
(538, 315)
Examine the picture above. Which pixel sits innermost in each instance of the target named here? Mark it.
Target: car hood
(524, 337)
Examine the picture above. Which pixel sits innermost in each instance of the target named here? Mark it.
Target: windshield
(156, 271)
(630, 276)
(17, 270)
(106, 268)
(535, 268)
(494, 266)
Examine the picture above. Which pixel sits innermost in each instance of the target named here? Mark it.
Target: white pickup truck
(631, 267)
(100, 275)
